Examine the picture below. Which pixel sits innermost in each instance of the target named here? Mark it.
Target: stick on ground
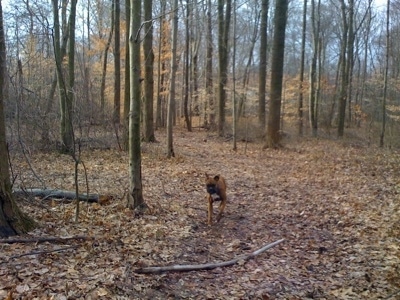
(210, 266)
(44, 239)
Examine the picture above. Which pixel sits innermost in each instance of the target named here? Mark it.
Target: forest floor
(335, 202)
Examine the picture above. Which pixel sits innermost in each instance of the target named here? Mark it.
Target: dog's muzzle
(212, 189)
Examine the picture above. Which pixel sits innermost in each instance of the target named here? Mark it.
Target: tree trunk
(350, 59)
(187, 71)
(160, 115)
(195, 40)
(117, 63)
(104, 66)
(315, 15)
(65, 102)
(209, 110)
(302, 62)
(223, 51)
(278, 47)
(12, 220)
(343, 69)
(171, 99)
(262, 71)
(385, 84)
(234, 102)
(135, 197)
(148, 118)
(127, 94)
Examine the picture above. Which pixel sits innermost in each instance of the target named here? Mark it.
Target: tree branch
(210, 266)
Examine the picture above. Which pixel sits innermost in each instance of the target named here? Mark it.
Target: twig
(186, 268)
(45, 239)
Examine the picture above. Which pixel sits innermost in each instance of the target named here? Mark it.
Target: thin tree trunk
(104, 66)
(302, 62)
(127, 96)
(209, 110)
(171, 99)
(385, 84)
(262, 72)
(350, 59)
(160, 120)
(234, 105)
(315, 15)
(135, 197)
(148, 118)
(343, 69)
(117, 64)
(187, 71)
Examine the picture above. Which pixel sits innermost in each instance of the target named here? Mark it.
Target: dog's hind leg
(221, 209)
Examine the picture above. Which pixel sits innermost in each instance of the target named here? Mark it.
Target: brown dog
(216, 191)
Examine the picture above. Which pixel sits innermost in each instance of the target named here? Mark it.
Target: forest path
(335, 203)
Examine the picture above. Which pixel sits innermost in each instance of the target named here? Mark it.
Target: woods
(338, 70)
(117, 108)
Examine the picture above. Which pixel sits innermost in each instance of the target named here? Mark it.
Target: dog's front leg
(210, 209)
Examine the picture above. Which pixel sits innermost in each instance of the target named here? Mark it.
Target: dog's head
(212, 184)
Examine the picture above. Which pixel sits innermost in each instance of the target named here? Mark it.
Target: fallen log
(53, 239)
(210, 266)
(58, 194)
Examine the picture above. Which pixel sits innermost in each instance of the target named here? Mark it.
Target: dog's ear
(216, 178)
(206, 175)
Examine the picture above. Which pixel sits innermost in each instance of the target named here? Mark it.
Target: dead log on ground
(210, 266)
(58, 194)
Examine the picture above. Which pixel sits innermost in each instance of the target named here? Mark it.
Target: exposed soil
(336, 204)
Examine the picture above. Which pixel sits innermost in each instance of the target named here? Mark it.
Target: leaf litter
(335, 203)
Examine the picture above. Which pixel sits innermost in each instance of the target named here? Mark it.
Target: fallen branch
(44, 239)
(44, 252)
(186, 268)
(37, 253)
(61, 194)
